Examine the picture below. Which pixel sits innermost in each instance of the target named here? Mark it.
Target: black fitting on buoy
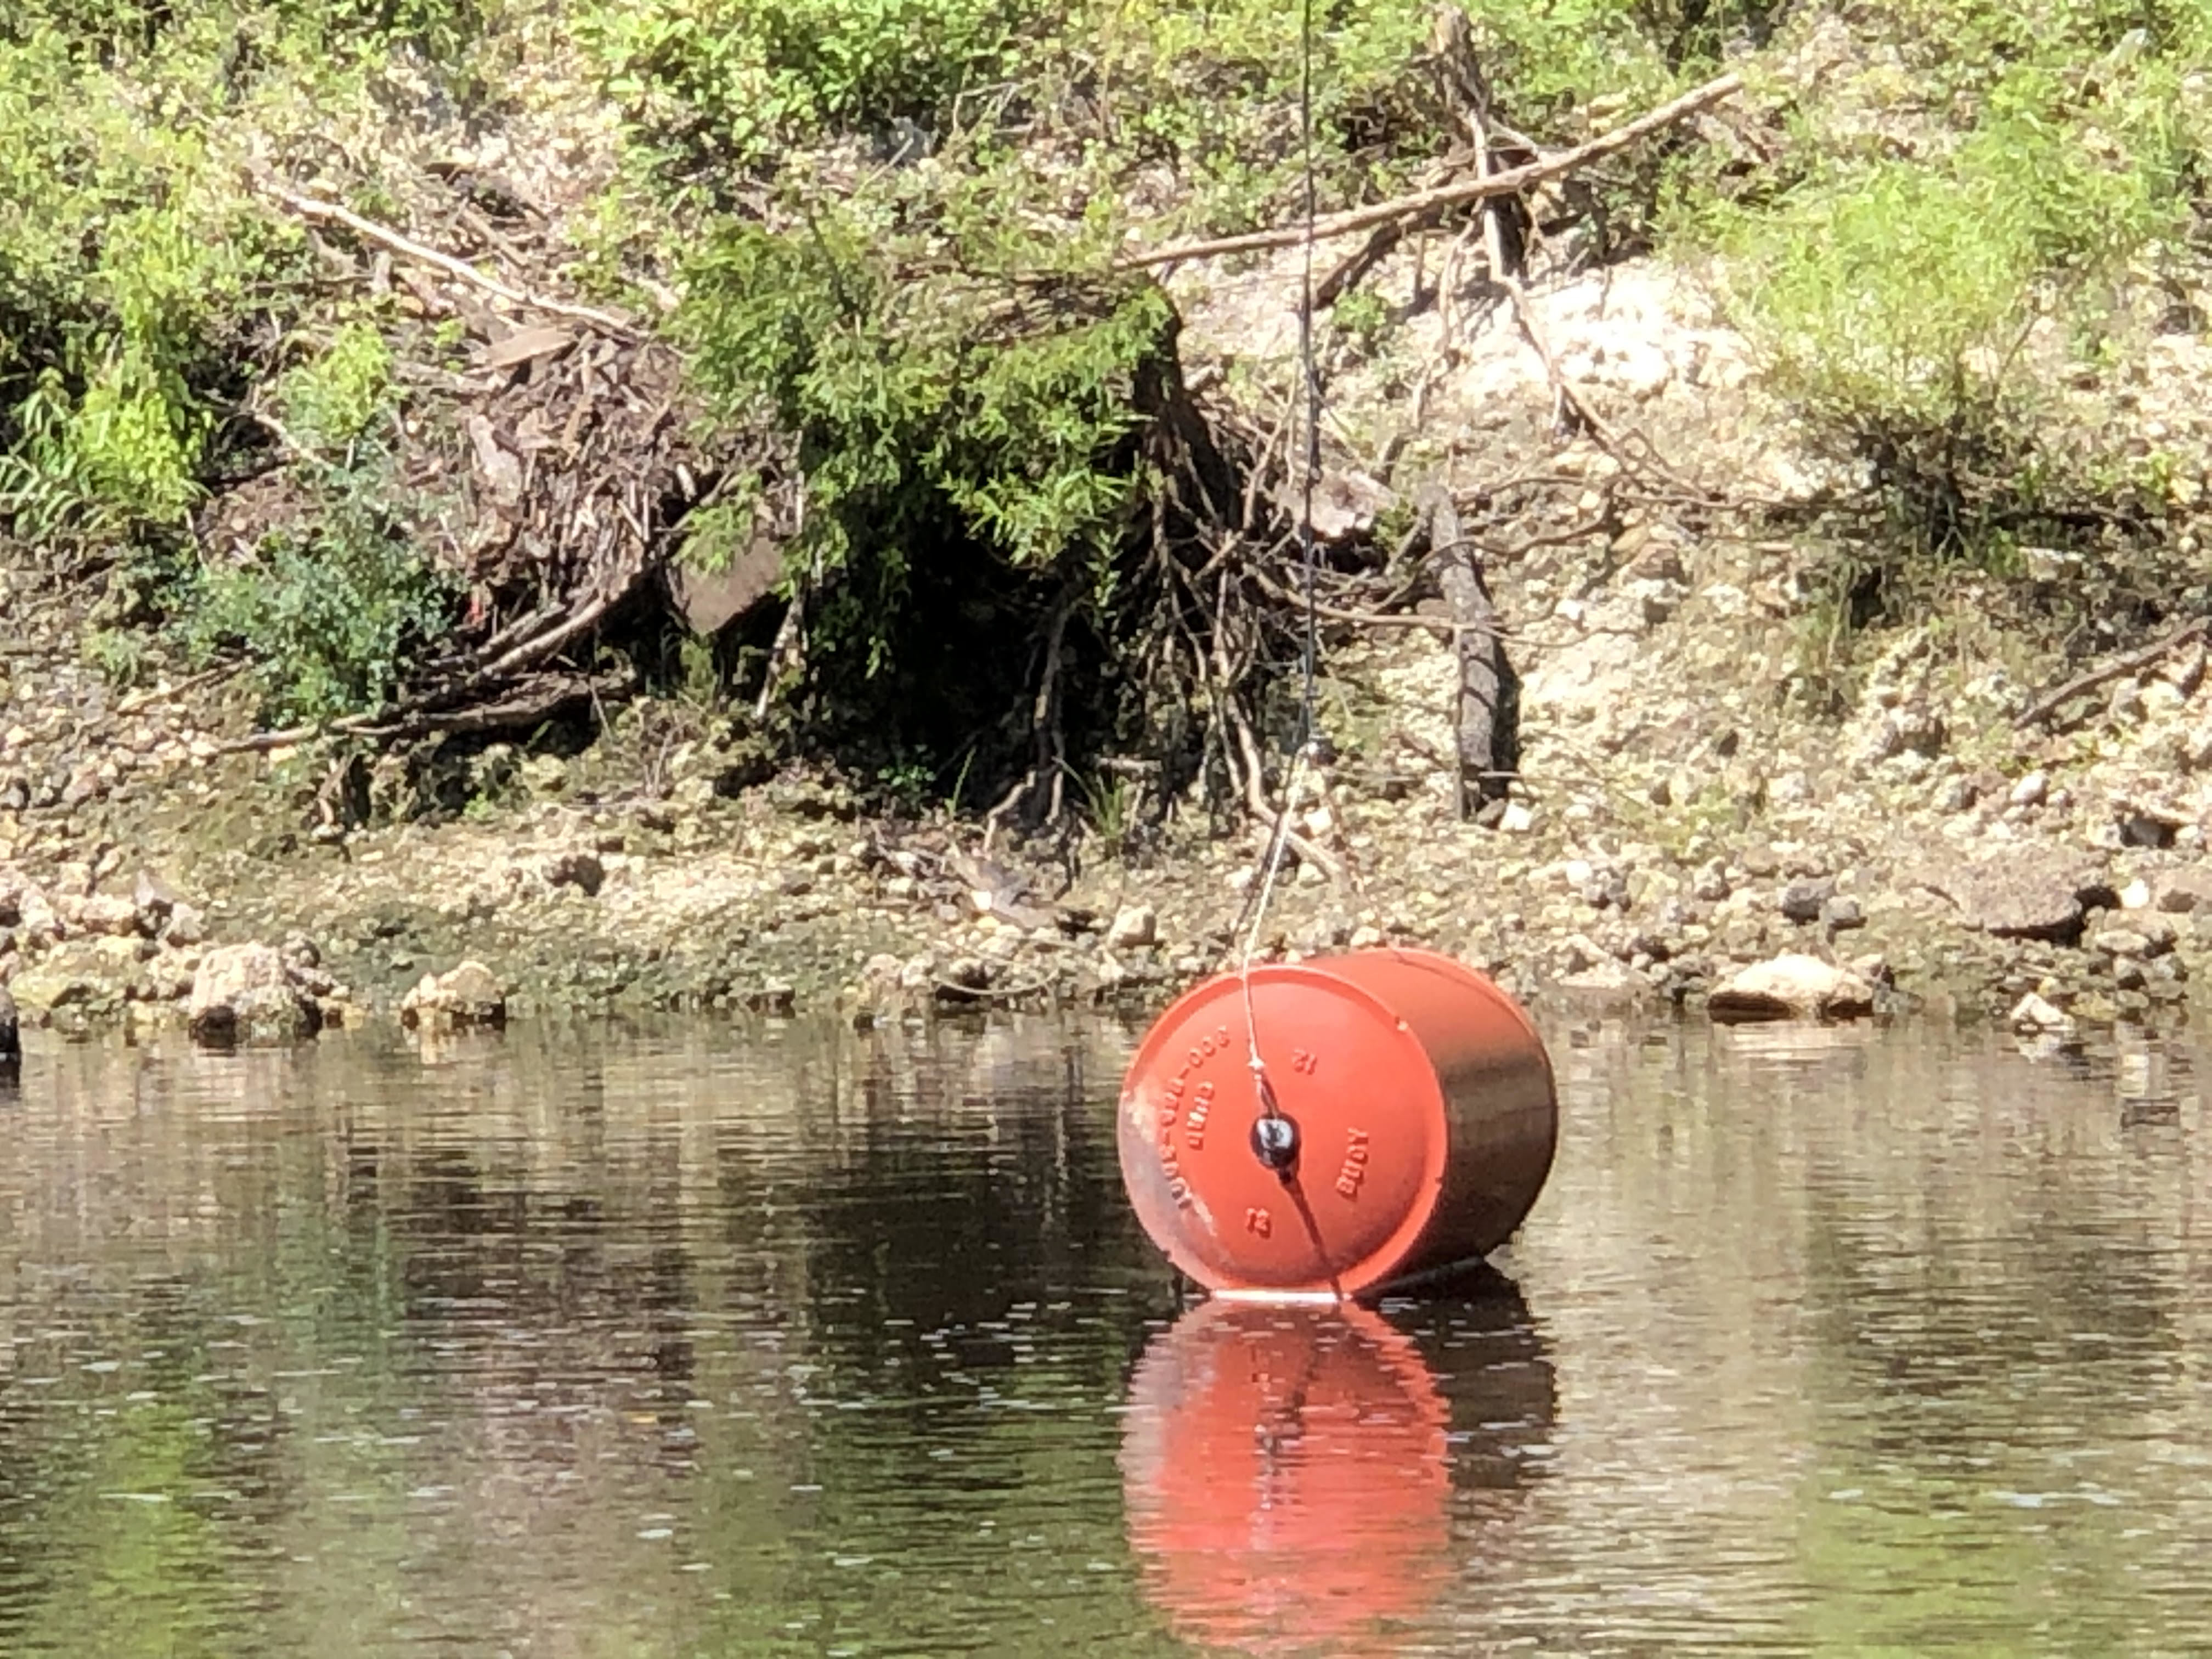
(1275, 1142)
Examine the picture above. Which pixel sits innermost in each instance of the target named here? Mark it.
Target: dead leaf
(526, 345)
(501, 472)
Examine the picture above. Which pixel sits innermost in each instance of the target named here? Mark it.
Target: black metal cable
(1310, 458)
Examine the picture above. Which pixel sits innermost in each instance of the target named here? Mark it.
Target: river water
(702, 1341)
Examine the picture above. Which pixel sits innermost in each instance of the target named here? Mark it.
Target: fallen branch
(1508, 183)
(152, 695)
(399, 718)
(2045, 706)
(315, 209)
(953, 990)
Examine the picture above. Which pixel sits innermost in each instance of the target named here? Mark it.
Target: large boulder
(470, 996)
(1791, 987)
(247, 995)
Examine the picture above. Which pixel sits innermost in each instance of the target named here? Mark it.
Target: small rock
(470, 996)
(1606, 982)
(2032, 1016)
(245, 994)
(1133, 926)
(964, 979)
(773, 998)
(2136, 896)
(1366, 939)
(108, 913)
(35, 921)
(2023, 895)
(2146, 935)
(1803, 899)
(1840, 915)
(2031, 791)
(11, 1041)
(77, 975)
(579, 869)
(2185, 891)
(1957, 795)
(2119, 942)
(184, 928)
(300, 951)
(154, 899)
(1517, 819)
(1791, 987)
(2153, 828)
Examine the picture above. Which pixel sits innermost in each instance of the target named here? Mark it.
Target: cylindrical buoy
(1411, 1125)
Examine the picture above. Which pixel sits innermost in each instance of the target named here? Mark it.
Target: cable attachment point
(1275, 1142)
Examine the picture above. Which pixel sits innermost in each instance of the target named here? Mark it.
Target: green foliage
(1119, 92)
(1110, 808)
(728, 80)
(927, 405)
(1361, 317)
(135, 266)
(123, 257)
(1920, 309)
(331, 611)
(331, 401)
(114, 28)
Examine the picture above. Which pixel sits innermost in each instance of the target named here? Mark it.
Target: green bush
(728, 81)
(1918, 312)
(136, 269)
(332, 613)
(997, 411)
(123, 257)
(1118, 92)
(335, 400)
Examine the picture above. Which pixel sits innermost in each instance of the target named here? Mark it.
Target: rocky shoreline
(786, 896)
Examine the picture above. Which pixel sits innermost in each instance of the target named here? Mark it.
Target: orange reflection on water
(1287, 1476)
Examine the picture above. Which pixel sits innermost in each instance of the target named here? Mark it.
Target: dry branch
(313, 208)
(1421, 203)
(2045, 706)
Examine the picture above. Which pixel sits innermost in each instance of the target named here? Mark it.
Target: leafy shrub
(135, 268)
(108, 339)
(918, 403)
(335, 399)
(332, 612)
(1120, 90)
(727, 80)
(1916, 312)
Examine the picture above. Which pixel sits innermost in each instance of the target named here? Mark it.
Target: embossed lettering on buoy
(1407, 1124)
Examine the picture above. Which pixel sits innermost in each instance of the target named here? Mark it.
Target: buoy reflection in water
(1289, 1470)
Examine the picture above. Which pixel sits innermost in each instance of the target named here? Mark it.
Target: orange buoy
(1411, 1125)
(1288, 1480)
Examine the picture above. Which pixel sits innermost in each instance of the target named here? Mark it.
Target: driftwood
(1459, 193)
(2049, 704)
(318, 211)
(554, 471)
(1483, 717)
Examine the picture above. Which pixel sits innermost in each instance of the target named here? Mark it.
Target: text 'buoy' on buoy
(1400, 1124)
